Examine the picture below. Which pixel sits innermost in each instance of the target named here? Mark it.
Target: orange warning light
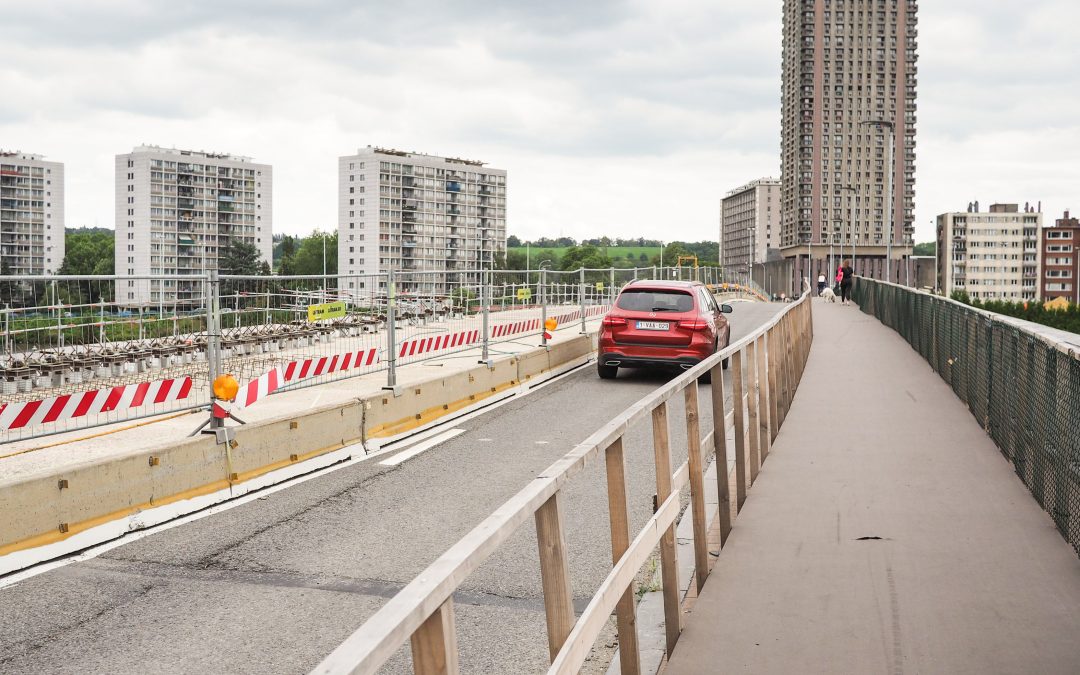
(551, 324)
(226, 387)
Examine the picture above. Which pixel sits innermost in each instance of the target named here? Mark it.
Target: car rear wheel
(606, 372)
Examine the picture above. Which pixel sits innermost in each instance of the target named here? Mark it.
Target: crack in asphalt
(380, 588)
(32, 644)
(209, 561)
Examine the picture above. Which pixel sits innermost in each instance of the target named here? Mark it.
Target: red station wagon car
(662, 323)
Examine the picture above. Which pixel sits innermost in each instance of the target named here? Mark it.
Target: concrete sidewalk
(885, 534)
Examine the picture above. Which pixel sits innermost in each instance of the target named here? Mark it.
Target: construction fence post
(485, 302)
(543, 308)
(391, 331)
(581, 299)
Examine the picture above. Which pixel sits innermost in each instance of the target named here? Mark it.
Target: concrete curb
(84, 504)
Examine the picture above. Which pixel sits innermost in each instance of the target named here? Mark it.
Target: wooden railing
(766, 367)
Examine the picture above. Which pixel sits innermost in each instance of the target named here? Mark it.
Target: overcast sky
(619, 118)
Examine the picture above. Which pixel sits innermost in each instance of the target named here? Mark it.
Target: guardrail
(78, 352)
(1019, 379)
(773, 359)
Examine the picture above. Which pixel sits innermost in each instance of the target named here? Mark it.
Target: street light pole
(891, 201)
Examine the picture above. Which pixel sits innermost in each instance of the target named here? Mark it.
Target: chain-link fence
(1020, 380)
(84, 351)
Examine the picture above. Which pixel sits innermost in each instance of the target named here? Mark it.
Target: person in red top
(844, 275)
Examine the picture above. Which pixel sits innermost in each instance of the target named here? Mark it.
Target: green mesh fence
(1021, 384)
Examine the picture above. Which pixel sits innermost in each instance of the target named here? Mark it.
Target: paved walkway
(969, 574)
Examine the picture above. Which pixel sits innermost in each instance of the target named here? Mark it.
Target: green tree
(513, 241)
(88, 251)
(584, 256)
(241, 258)
(671, 254)
(285, 254)
(926, 248)
(309, 257)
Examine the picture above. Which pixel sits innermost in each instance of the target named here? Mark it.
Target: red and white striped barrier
(324, 365)
(436, 343)
(502, 330)
(73, 406)
(262, 386)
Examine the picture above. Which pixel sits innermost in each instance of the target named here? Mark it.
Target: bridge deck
(969, 576)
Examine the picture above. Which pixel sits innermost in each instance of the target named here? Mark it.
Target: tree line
(1067, 319)
(594, 256)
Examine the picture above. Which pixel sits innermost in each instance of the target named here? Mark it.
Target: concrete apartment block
(992, 255)
(845, 63)
(1060, 277)
(177, 210)
(410, 213)
(749, 224)
(31, 214)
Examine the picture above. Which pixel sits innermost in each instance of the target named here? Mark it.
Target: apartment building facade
(436, 220)
(176, 213)
(31, 214)
(849, 75)
(749, 224)
(1060, 276)
(992, 255)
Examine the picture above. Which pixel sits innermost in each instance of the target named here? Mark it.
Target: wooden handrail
(422, 612)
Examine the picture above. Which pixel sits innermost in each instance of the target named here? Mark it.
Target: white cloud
(629, 118)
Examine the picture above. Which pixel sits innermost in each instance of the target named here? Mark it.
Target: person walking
(844, 276)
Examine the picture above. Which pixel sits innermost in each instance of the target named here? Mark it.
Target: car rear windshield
(645, 300)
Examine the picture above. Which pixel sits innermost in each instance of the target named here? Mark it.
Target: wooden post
(697, 484)
(737, 391)
(719, 415)
(752, 410)
(434, 644)
(668, 564)
(618, 515)
(773, 363)
(554, 574)
(789, 362)
(781, 372)
(763, 398)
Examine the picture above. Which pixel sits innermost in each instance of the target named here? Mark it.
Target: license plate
(653, 325)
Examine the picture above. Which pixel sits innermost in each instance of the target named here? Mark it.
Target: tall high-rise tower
(848, 87)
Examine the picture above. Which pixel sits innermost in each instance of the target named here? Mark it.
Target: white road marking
(423, 446)
(543, 442)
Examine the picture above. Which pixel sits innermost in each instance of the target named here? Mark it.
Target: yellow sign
(599, 285)
(524, 294)
(328, 310)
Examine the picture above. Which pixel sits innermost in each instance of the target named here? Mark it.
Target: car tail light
(695, 324)
(613, 321)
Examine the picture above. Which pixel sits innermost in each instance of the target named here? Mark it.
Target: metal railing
(79, 352)
(765, 366)
(1020, 380)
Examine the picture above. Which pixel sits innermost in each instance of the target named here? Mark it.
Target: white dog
(828, 294)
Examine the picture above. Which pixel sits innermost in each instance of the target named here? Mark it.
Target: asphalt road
(273, 585)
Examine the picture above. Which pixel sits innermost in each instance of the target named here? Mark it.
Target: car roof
(662, 283)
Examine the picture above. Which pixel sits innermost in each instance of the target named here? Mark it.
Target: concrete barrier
(86, 504)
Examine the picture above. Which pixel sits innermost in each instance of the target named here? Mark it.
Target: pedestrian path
(885, 534)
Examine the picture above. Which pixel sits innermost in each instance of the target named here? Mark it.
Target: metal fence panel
(83, 351)
(1020, 383)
